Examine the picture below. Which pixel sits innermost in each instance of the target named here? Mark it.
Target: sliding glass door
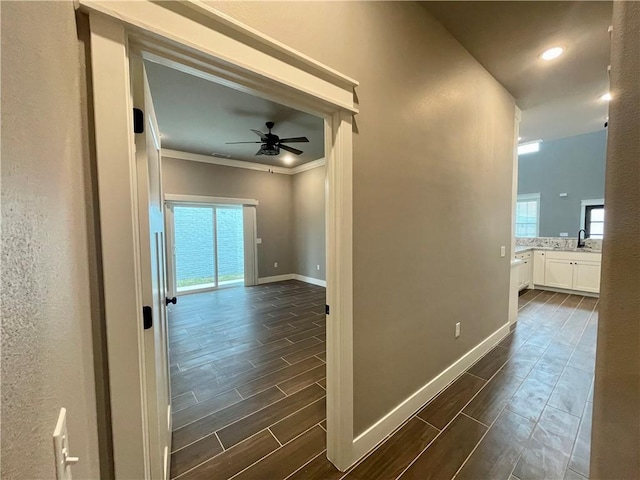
(208, 247)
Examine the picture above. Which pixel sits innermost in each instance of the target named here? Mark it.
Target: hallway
(257, 380)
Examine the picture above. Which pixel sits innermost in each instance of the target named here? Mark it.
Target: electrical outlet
(503, 251)
(317, 267)
(457, 329)
(275, 264)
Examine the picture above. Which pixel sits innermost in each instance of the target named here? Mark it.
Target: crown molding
(230, 162)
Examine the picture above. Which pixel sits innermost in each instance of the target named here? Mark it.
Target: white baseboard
(375, 434)
(292, 276)
(276, 278)
(311, 280)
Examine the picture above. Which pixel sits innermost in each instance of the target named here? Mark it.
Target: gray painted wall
(573, 165)
(309, 222)
(49, 272)
(432, 168)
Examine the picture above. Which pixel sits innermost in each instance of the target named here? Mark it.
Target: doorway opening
(247, 364)
(197, 39)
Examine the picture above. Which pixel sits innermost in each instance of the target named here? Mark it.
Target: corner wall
(615, 436)
(309, 235)
(432, 174)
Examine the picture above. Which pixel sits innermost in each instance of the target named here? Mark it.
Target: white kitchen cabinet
(524, 270)
(578, 271)
(586, 276)
(538, 268)
(558, 273)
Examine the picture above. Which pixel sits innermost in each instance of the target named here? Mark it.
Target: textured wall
(47, 359)
(616, 408)
(573, 165)
(274, 213)
(309, 222)
(433, 153)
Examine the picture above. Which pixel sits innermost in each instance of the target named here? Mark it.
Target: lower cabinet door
(586, 276)
(558, 273)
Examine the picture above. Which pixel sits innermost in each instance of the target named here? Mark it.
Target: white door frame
(197, 39)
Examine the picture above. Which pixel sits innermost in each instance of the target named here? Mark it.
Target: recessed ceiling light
(551, 53)
(606, 97)
(287, 159)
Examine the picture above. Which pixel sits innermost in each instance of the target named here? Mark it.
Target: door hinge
(326, 309)
(138, 121)
(147, 317)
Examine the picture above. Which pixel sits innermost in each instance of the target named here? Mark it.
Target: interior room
(320, 240)
(246, 266)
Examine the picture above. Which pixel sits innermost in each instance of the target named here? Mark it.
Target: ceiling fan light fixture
(551, 53)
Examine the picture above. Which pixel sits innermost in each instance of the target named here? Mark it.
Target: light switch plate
(259, 241)
(503, 251)
(61, 448)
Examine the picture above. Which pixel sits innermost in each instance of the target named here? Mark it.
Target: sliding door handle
(173, 300)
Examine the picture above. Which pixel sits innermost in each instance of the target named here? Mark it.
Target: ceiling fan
(271, 143)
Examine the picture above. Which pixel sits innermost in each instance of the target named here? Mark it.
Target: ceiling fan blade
(262, 136)
(291, 149)
(233, 143)
(259, 152)
(294, 139)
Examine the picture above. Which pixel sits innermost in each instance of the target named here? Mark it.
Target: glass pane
(598, 237)
(597, 215)
(596, 228)
(195, 263)
(230, 245)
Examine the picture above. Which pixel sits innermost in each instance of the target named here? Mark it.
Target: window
(527, 215)
(531, 147)
(592, 218)
(594, 221)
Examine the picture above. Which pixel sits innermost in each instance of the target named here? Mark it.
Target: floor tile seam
(272, 452)
(285, 380)
(261, 376)
(229, 424)
(451, 421)
(216, 455)
(272, 424)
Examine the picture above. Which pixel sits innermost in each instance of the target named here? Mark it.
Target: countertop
(524, 248)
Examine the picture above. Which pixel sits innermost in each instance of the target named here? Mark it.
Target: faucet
(581, 239)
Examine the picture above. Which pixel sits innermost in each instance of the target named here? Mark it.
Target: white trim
(230, 51)
(311, 280)
(225, 162)
(321, 162)
(175, 198)
(270, 42)
(378, 432)
(232, 162)
(583, 210)
(275, 278)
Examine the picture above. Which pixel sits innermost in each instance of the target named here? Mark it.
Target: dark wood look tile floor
(248, 366)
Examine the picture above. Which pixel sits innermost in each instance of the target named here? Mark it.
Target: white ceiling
(558, 98)
(199, 116)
